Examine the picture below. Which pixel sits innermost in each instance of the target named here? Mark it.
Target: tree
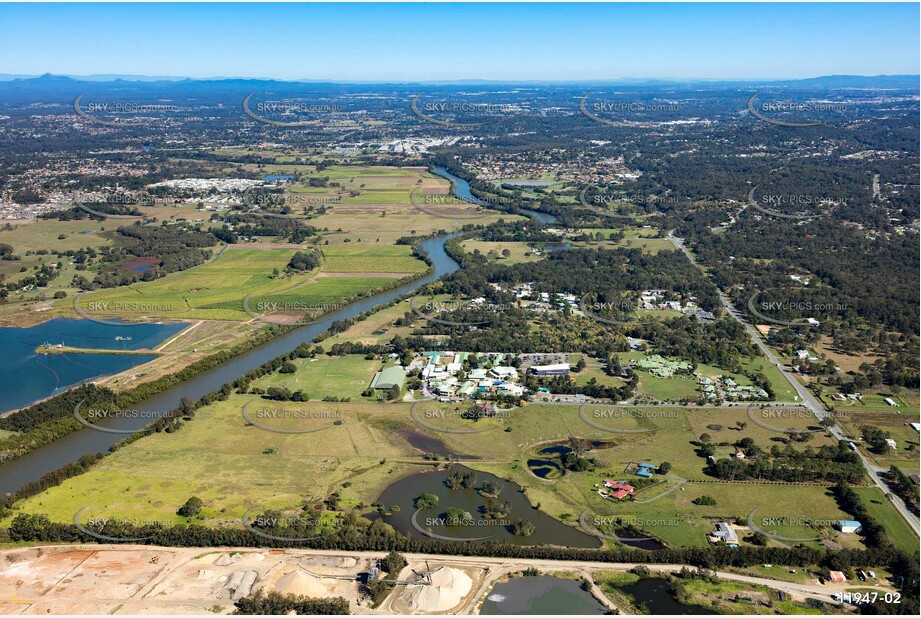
(191, 508)
(426, 501)
(393, 393)
(506, 253)
(706, 438)
(665, 467)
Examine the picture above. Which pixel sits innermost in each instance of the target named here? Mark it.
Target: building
(739, 454)
(619, 490)
(848, 526)
(387, 378)
(891, 444)
(836, 576)
(725, 533)
(559, 369)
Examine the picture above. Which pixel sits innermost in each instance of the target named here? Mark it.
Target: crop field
(379, 259)
(216, 290)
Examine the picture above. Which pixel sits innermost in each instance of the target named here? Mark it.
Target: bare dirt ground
(133, 579)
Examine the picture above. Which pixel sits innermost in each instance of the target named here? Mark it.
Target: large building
(388, 378)
(559, 369)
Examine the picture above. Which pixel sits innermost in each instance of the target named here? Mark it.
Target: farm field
(360, 447)
(378, 258)
(216, 290)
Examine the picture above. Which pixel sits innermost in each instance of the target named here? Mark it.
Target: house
(890, 401)
(848, 526)
(725, 533)
(559, 369)
(891, 444)
(836, 576)
(739, 454)
(388, 378)
(644, 472)
(618, 490)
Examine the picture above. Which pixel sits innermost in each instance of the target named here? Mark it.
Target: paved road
(805, 394)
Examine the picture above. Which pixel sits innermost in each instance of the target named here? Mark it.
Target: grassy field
(520, 251)
(249, 466)
(340, 376)
(883, 511)
(349, 258)
(216, 290)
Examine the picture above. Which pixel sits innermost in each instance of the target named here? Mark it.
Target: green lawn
(340, 376)
(883, 511)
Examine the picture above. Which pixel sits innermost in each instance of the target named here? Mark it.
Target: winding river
(41, 461)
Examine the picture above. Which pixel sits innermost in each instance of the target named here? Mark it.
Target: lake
(42, 375)
(542, 594)
(403, 492)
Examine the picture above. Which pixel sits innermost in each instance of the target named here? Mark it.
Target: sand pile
(301, 582)
(448, 589)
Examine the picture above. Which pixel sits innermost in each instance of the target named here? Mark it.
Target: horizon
(143, 78)
(424, 42)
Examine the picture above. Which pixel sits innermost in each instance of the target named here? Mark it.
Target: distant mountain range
(825, 81)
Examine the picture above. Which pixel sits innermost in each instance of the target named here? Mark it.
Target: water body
(462, 190)
(41, 461)
(38, 376)
(542, 594)
(403, 492)
(656, 594)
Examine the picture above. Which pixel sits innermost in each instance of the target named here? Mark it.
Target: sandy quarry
(146, 580)
(450, 588)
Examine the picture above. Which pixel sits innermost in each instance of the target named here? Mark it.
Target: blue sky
(407, 42)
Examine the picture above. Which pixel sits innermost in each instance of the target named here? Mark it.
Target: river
(45, 459)
(462, 189)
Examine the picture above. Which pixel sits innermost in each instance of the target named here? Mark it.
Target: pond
(432, 522)
(542, 594)
(656, 595)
